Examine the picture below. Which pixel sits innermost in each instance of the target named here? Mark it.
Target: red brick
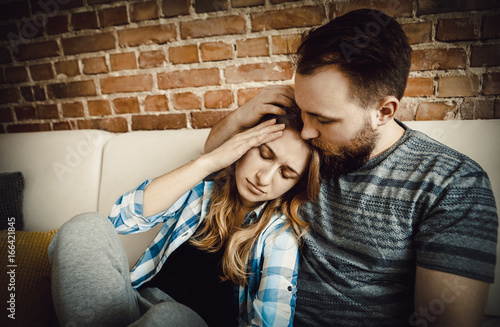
(27, 93)
(189, 78)
(218, 99)
(213, 26)
(202, 6)
(288, 18)
(16, 74)
(458, 29)
(38, 50)
(71, 89)
(431, 59)
(406, 111)
(6, 115)
(73, 109)
(184, 55)
(418, 32)
(25, 128)
(39, 93)
(216, 51)
(95, 65)
(286, 44)
(394, 8)
(485, 55)
(135, 83)
(478, 109)
(244, 95)
(126, 105)
(156, 103)
(419, 86)
(113, 124)
(434, 7)
(186, 100)
(458, 86)
(5, 56)
(69, 68)
(113, 16)
(25, 113)
(207, 119)
(253, 47)
(490, 27)
(53, 7)
(10, 94)
(84, 20)
(123, 61)
(91, 43)
(176, 8)
(491, 83)
(247, 3)
(62, 126)
(277, 71)
(158, 122)
(435, 111)
(158, 34)
(57, 25)
(95, 2)
(47, 111)
(144, 11)
(152, 59)
(99, 107)
(41, 72)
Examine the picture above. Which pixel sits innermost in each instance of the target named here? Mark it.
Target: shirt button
(289, 288)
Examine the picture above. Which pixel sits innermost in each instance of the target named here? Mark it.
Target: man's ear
(386, 110)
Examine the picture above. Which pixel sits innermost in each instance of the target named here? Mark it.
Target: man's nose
(308, 131)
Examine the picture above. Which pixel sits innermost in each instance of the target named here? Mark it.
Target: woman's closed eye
(265, 153)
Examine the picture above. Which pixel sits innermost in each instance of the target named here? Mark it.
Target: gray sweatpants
(91, 281)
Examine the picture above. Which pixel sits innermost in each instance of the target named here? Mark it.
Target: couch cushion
(477, 139)
(61, 171)
(131, 158)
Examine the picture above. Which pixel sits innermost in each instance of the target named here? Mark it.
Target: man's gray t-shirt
(419, 203)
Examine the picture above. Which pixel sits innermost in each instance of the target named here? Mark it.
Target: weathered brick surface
(84, 20)
(41, 72)
(490, 28)
(57, 25)
(26, 128)
(184, 55)
(71, 89)
(252, 47)
(418, 32)
(285, 44)
(16, 74)
(213, 26)
(10, 94)
(25, 113)
(95, 65)
(113, 124)
(69, 68)
(99, 107)
(39, 50)
(126, 105)
(394, 8)
(123, 61)
(259, 72)
(6, 115)
(186, 100)
(216, 51)
(456, 29)
(478, 109)
(419, 86)
(47, 111)
(456, 86)
(189, 78)
(175, 8)
(156, 103)
(491, 83)
(93, 43)
(73, 109)
(435, 111)
(152, 59)
(126, 84)
(431, 59)
(207, 119)
(486, 55)
(158, 34)
(113, 16)
(288, 18)
(218, 99)
(244, 95)
(152, 122)
(144, 11)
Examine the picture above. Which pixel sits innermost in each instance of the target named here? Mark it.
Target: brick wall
(140, 65)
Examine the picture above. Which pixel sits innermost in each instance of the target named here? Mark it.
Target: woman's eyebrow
(274, 155)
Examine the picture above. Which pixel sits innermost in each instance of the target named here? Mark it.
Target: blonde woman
(227, 253)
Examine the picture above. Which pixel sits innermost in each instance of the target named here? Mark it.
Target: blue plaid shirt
(269, 297)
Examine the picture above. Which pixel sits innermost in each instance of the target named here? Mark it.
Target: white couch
(71, 172)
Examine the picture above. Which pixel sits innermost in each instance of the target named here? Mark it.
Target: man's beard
(349, 157)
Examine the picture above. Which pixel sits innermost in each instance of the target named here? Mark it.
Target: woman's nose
(265, 176)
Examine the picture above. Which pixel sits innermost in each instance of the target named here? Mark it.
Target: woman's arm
(274, 304)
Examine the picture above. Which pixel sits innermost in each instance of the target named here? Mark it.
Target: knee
(175, 313)
(85, 222)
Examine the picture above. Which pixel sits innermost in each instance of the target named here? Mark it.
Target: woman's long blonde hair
(225, 203)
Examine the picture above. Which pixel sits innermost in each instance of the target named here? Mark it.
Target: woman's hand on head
(239, 144)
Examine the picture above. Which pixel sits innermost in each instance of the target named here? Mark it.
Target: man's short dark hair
(367, 46)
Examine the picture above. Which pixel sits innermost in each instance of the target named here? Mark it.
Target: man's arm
(443, 299)
(267, 101)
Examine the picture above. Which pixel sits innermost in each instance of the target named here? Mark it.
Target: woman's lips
(254, 188)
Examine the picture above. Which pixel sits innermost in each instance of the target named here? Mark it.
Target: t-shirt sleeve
(459, 234)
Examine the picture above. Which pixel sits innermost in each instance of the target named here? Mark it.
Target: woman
(239, 227)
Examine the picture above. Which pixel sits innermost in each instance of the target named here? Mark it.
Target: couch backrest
(61, 171)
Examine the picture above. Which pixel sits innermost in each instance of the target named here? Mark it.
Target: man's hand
(268, 101)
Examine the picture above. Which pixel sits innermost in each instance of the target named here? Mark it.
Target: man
(404, 231)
